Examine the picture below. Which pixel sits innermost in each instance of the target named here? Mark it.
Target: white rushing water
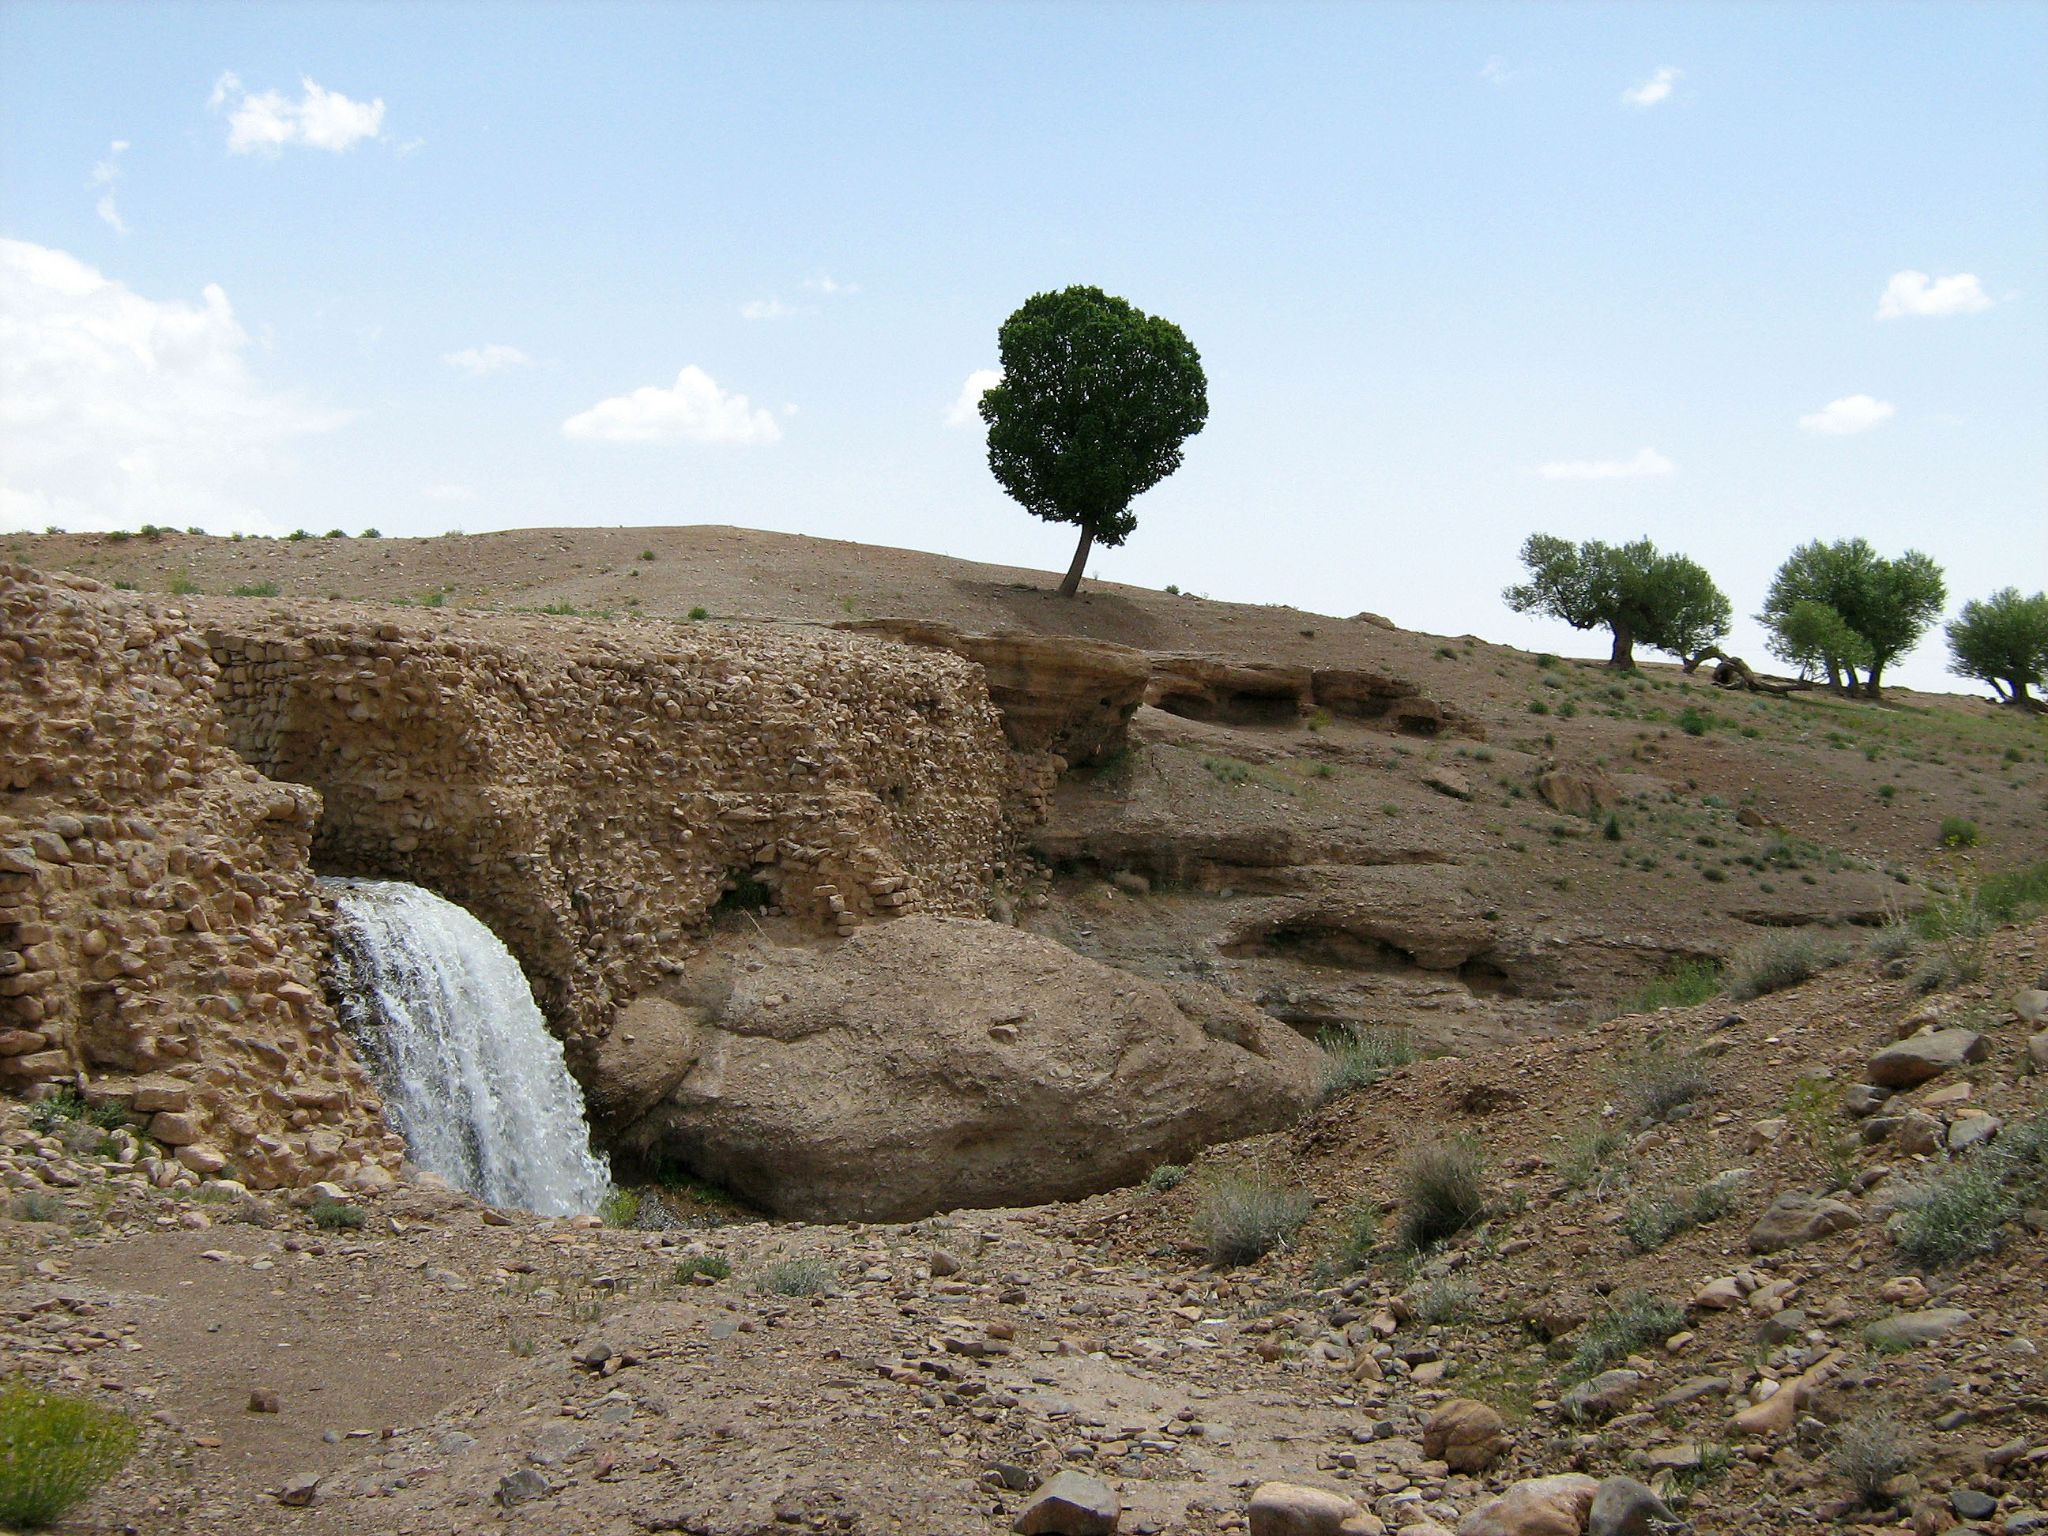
(471, 1077)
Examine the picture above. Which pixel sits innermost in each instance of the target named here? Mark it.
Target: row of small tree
(1833, 610)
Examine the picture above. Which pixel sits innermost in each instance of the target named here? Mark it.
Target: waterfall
(471, 1077)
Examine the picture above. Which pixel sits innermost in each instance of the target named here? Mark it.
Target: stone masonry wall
(158, 937)
(591, 790)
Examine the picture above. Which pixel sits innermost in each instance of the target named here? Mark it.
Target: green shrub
(1358, 1056)
(36, 1206)
(2012, 895)
(119, 536)
(646, 554)
(1684, 985)
(337, 1215)
(1956, 1213)
(1227, 770)
(257, 589)
(709, 1265)
(700, 613)
(1959, 832)
(1655, 1082)
(1780, 960)
(1358, 1235)
(797, 1277)
(620, 1208)
(1166, 1176)
(1692, 722)
(1654, 1218)
(1631, 1321)
(1446, 1299)
(1242, 1217)
(297, 535)
(1593, 1159)
(1443, 1192)
(181, 585)
(54, 1451)
(371, 533)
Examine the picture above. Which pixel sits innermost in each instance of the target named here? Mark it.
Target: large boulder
(1793, 1219)
(1926, 1055)
(1466, 1435)
(1539, 1506)
(934, 1063)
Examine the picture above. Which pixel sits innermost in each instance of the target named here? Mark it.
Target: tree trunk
(1624, 655)
(1870, 681)
(1073, 582)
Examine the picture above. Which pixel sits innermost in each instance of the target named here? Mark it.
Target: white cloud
(1915, 293)
(1851, 413)
(107, 173)
(1495, 71)
(1647, 461)
(767, 309)
(449, 493)
(830, 286)
(965, 411)
(1655, 89)
(694, 407)
(266, 122)
(478, 361)
(117, 410)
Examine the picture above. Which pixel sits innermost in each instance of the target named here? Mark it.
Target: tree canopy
(1886, 604)
(1666, 602)
(2003, 640)
(1095, 401)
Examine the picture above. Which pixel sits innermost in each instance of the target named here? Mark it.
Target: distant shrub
(1443, 1192)
(54, 1451)
(1684, 985)
(336, 1215)
(297, 535)
(1360, 1055)
(181, 585)
(709, 1265)
(620, 1208)
(1242, 1217)
(119, 536)
(36, 1206)
(1654, 1082)
(1959, 832)
(1594, 1158)
(1653, 1219)
(797, 1277)
(1692, 722)
(1956, 1213)
(1631, 1321)
(1780, 960)
(1446, 1299)
(646, 554)
(699, 614)
(1166, 1176)
(371, 533)
(1227, 770)
(336, 533)
(257, 589)
(2012, 895)
(1870, 1450)
(1358, 1235)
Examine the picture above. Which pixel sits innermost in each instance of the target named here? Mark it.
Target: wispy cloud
(768, 309)
(1850, 414)
(1656, 89)
(830, 286)
(1495, 71)
(264, 123)
(1645, 462)
(478, 361)
(1915, 293)
(694, 408)
(107, 175)
(965, 411)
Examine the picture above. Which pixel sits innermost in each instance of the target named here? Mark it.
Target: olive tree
(1884, 603)
(1666, 602)
(2003, 640)
(1095, 400)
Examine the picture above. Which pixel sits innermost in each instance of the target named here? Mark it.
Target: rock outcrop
(934, 1063)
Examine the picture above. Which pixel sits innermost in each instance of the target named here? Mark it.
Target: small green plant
(371, 533)
(699, 614)
(1959, 832)
(36, 1206)
(1611, 828)
(297, 535)
(119, 536)
(620, 1208)
(1870, 1450)
(1654, 1218)
(336, 1215)
(1814, 1106)
(124, 586)
(1166, 1176)
(1631, 1321)
(1358, 1235)
(54, 1451)
(1443, 1192)
(646, 555)
(1358, 1056)
(336, 533)
(181, 585)
(257, 589)
(797, 1277)
(1227, 770)
(709, 1265)
(1956, 1213)
(1443, 1300)
(1692, 721)
(1779, 960)
(1685, 985)
(1242, 1217)
(1594, 1159)
(435, 599)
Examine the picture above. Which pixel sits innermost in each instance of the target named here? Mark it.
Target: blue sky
(1458, 273)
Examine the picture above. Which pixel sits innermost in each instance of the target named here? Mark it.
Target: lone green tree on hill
(1885, 604)
(2003, 640)
(1666, 602)
(1095, 401)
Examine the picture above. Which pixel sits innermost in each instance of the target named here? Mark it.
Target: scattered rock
(1624, 1507)
(1922, 1057)
(1466, 1435)
(1289, 1509)
(1793, 1219)
(516, 1488)
(263, 1400)
(1540, 1506)
(299, 1491)
(1908, 1330)
(1603, 1396)
(1071, 1504)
